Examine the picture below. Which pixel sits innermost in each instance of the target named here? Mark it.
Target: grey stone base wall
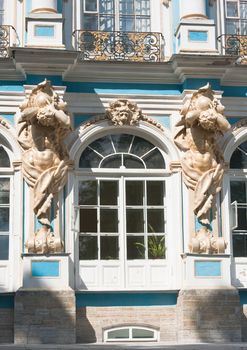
(244, 323)
(6, 326)
(209, 315)
(91, 321)
(43, 317)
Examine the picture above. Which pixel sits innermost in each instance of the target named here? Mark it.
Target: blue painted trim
(124, 88)
(125, 299)
(175, 19)
(7, 301)
(59, 6)
(42, 30)
(243, 296)
(45, 268)
(9, 117)
(233, 121)
(207, 268)
(163, 120)
(28, 6)
(80, 119)
(194, 35)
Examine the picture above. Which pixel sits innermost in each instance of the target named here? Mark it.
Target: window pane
(239, 157)
(143, 7)
(134, 192)
(109, 248)
(122, 142)
(89, 159)
(106, 23)
(118, 334)
(114, 161)
(88, 248)
(154, 160)
(91, 5)
(127, 23)
(143, 25)
(4, 247)
(135, 247)
(131, 162)
(108, 192)
(90, 22)
(238, 191)
(4, 158)
(87, 192)
(155, 220)
(108, 220)
(239, 245)
(106, 6)
(242, 219)
(155, 192)
(142, 333)
(4, 190)
(126, 7)
(232, 8)
(88, 220)
(140, 146)
(232, 27)
(243, 10)
(4, 219)
(135, 220)
(103, 146)
(156, 247)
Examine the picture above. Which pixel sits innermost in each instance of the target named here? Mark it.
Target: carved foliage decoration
(202, 162)
(44, 125)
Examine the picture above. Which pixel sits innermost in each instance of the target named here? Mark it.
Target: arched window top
(4, 158)
(130, 333)
(239, 157)
(122, 151)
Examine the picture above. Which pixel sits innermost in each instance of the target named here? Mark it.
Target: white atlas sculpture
(202, 162)
(45, 160)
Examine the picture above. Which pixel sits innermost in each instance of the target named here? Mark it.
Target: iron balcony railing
(119, 46)
(234, 44)
(8, 38)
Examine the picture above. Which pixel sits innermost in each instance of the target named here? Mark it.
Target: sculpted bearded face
(123, 112)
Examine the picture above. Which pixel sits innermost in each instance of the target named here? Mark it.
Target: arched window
(4, 203)
(238, 186)
(130, 333)
(122, 210)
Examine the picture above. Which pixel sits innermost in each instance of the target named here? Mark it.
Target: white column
(44, 6)
(192, 8)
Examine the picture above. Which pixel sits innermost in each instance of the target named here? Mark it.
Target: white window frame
(131, 339)
(232, 17)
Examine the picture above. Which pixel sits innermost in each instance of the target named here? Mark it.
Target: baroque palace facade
(123, 164)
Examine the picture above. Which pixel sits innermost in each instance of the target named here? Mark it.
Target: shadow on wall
(45, 316)
(209, 315)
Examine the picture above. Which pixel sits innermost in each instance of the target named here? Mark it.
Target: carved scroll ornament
(202, 163)
(45, 160)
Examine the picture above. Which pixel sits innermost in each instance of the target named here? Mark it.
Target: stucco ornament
(202, 163)
(44, 125)
(205, 242)
(123, 112)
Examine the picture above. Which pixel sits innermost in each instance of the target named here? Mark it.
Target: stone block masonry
(92, 321)
(6, 325)
(209, 315)
(43, 317)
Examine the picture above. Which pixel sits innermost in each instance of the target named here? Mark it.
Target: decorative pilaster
(44, 25)
(195, 32)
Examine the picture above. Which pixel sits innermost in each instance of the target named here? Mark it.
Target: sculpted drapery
(45, 160)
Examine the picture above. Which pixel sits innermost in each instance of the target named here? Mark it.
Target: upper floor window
(236, 17)
(116, 15)
(4, 204)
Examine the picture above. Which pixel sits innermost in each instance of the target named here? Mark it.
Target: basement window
(130, 334)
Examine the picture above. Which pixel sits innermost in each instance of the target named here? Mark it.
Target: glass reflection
(4, 158)
(88, 192)
(134, 192)
(108, 192)
(88, 220)
(109, 247)
(4, 190)
(135, 220)
(88, 248)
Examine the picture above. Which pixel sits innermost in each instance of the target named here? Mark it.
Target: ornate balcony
(119, 46)
(8, 38)
(234, 44)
